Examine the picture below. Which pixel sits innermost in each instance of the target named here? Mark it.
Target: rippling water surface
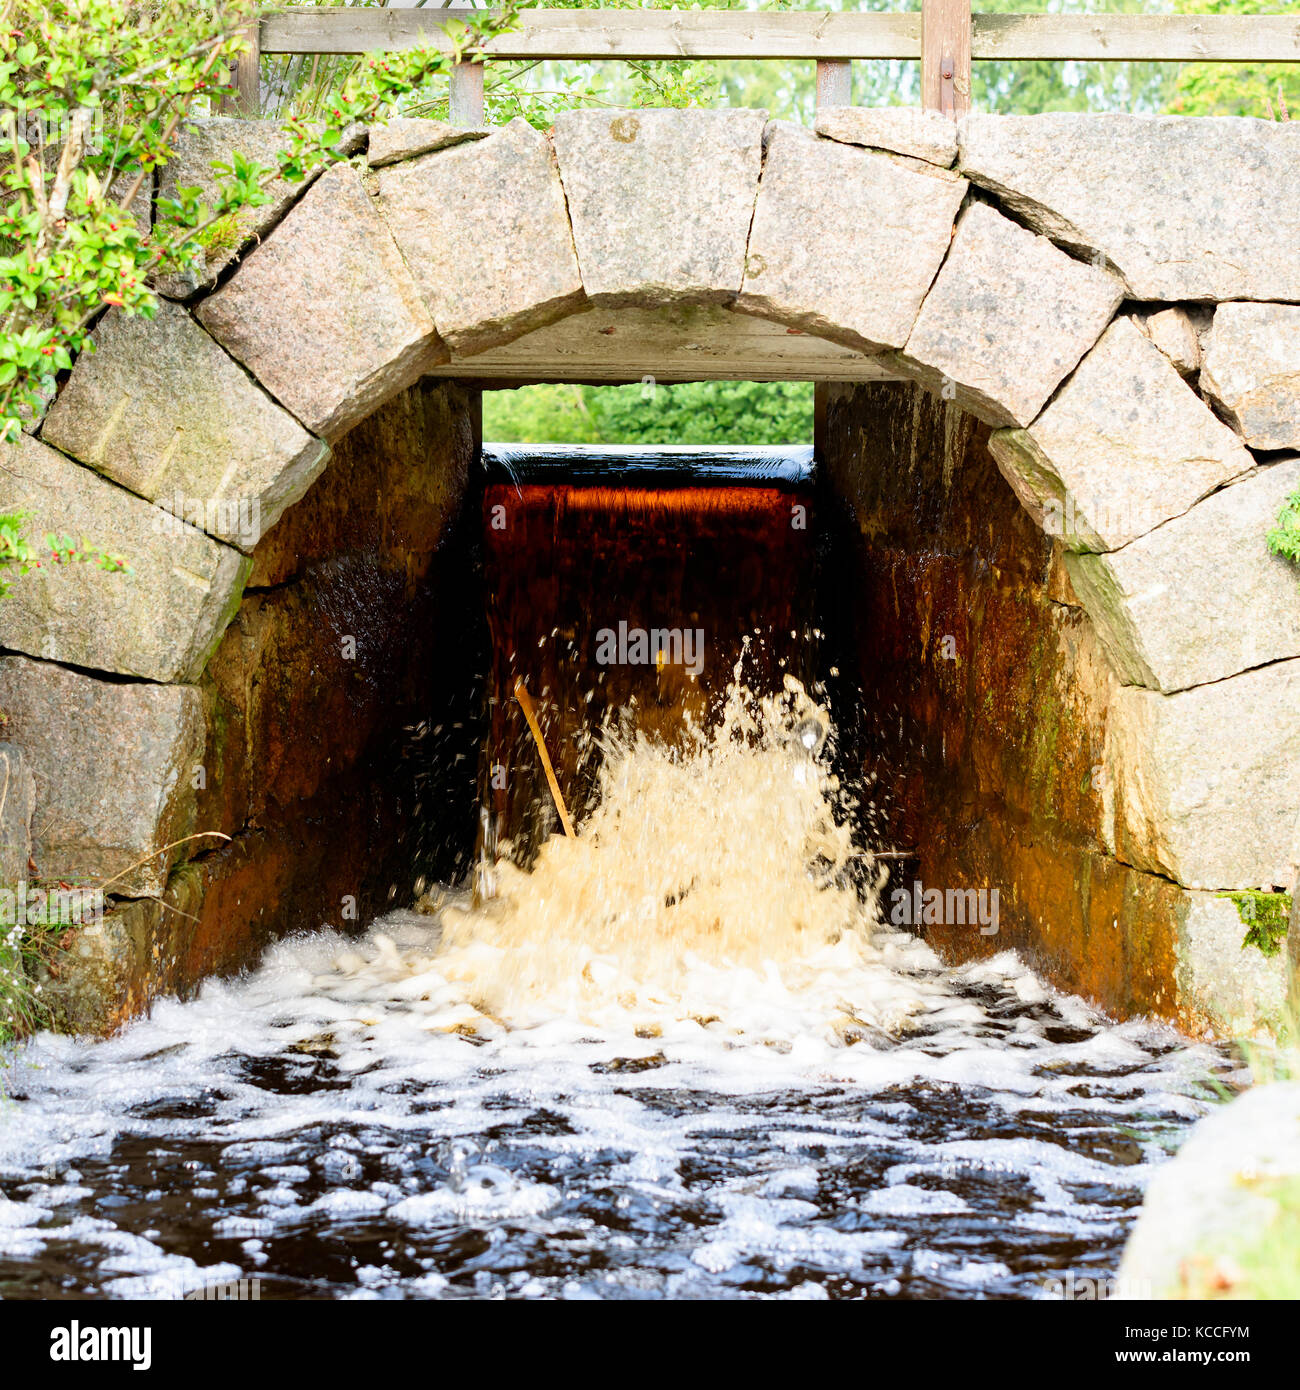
(676, 1057)
(344, 1133)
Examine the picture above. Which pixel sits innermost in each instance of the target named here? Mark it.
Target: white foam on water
(751, 1156)
(679, 1058)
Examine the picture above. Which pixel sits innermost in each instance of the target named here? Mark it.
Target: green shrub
(92, 95)
(693, 412)
(1284, 538)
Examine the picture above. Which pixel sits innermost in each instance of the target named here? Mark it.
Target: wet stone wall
(325, 737)
(982, 722)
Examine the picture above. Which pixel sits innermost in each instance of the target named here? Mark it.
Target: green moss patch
(1265, 915)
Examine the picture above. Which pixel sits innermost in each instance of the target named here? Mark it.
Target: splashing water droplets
(713, 879)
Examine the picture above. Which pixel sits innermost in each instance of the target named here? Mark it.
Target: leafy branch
(92, 95)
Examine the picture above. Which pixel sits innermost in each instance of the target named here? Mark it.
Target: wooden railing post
(834, 83)
(245, 95)
(834, 88)
(465, 104)
(945, 56)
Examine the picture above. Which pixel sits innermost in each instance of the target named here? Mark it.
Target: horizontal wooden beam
(594, 34)
(684, 343)
(1157, 38)
(828, 36)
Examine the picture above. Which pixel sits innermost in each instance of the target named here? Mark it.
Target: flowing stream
(680, 1057)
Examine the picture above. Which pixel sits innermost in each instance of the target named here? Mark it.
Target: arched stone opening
(1004, 276)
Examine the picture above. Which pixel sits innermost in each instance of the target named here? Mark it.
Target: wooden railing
(945, 36)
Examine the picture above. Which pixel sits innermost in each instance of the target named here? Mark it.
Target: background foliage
(1234, 89)
(695, 412)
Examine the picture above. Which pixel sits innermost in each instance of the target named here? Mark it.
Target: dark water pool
(332, 1136)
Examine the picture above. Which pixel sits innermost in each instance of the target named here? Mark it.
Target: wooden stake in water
(526, 704)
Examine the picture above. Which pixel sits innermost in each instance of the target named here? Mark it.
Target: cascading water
(679, 1057)
(710, 870)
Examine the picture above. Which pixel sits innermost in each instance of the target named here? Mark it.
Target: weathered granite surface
(161, 409)
(485, 230)
(403, 137)
(1202, 786)
(1007, 318)
(853, 268)
(329, 356)
(160, 621)
(1252, 371)
(1125, 446)
(660, 201)
(908, 130)
(1185, 208)
(1199, 598)
(114, 768)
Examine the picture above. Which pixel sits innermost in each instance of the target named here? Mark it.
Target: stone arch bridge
(1063, 356)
